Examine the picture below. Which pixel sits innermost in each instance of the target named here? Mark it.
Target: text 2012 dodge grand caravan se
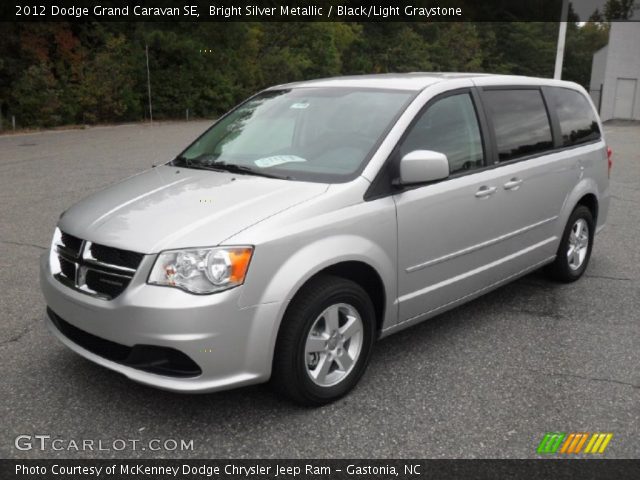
(319, 216)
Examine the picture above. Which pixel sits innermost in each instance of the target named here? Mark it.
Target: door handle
(485, 191)
(513, 184)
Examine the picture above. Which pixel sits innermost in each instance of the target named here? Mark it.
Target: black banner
(276, 11)
(320, 469)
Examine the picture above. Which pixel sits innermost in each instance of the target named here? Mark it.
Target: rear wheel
(325, 341)
(575, 247)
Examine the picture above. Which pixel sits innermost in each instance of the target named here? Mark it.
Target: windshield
(311, 134)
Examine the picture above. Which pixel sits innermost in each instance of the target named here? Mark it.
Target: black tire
(560, 269)
(290, 376)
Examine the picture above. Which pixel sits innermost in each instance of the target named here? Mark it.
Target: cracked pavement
(487, 379)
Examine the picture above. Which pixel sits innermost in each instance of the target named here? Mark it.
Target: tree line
(86, 73)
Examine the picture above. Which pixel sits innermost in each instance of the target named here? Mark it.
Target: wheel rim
(333, 345)
(578, 244)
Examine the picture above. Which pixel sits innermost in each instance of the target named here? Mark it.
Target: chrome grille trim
(113, 278)
(88, 257)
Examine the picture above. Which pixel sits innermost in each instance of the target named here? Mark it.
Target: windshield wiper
(243, 170)
(196, 163)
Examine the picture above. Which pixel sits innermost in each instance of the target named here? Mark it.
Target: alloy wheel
(333, 345)
(578, 244)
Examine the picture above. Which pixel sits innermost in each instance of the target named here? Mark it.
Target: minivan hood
(169, 207)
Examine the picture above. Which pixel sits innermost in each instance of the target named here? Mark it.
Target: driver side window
(449, 126)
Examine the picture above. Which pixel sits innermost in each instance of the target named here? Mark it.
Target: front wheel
(575, 247)
(325, 341)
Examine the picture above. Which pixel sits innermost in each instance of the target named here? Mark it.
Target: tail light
(609, 161)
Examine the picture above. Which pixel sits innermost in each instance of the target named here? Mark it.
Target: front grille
(92, 268)
(71, 243)
(105, 283)
(67, 269)
(115, 256)
(150, 358)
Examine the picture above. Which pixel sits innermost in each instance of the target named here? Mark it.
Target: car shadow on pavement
(521, 296)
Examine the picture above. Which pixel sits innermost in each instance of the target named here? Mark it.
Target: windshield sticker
(299, 106)
(278, 160)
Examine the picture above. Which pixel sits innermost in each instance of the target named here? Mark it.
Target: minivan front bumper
(230, 345)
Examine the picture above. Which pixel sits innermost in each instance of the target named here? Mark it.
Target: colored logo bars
(556, 442)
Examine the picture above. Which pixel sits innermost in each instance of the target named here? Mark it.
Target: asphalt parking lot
(487, 379)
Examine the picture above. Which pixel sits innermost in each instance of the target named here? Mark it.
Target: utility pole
(146, 50)
(562, 35)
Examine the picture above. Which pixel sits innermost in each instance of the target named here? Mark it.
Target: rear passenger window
(520, 122)
(449, 126)
(578, 122)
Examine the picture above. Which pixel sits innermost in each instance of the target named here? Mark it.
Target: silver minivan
(318, 217)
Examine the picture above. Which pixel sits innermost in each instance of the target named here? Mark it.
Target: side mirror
(422, 166)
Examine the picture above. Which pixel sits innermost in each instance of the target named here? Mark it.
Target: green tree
(596, 16)
(36, 97)
(582, 43)
(110, 89)
(520, 48)
(299, 51)
(456, 47)
(388, 47)
(619, 9)
(57, 73)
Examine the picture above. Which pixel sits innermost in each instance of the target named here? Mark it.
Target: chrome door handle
(485, 191)
(513, 184)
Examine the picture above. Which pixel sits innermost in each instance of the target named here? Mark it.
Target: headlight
(202, 270)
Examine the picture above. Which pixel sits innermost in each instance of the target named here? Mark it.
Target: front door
(441, 225)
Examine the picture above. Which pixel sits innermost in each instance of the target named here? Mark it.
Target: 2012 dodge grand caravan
(319, 216)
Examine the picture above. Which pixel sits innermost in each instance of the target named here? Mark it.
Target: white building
(615, 73)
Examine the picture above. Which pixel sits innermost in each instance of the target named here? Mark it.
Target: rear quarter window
(520, 122)
(578, 122)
